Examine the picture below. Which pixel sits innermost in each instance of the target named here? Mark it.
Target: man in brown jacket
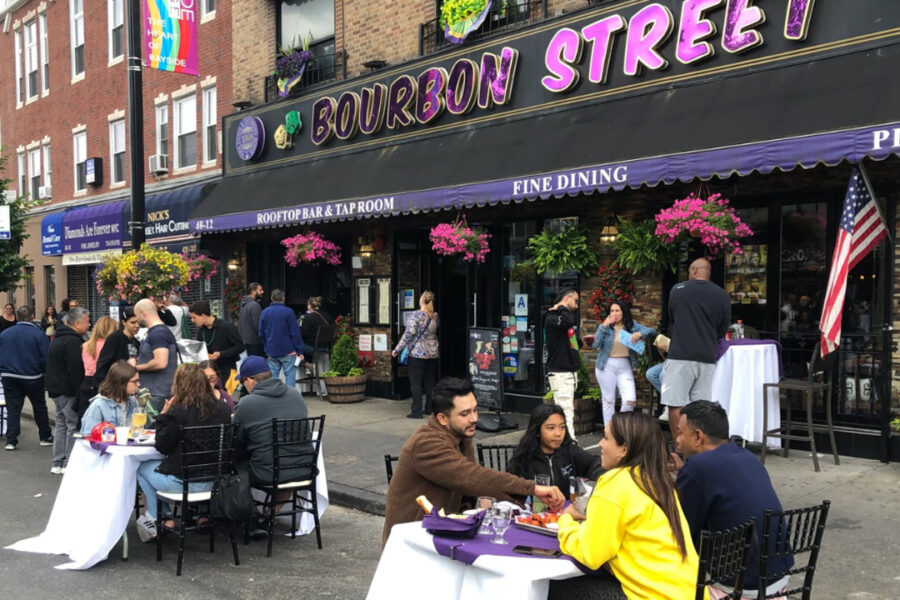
(438, 461)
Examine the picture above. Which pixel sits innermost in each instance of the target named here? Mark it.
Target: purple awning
(93, 228)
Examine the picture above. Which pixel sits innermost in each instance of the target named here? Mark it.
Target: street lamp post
(136, 121)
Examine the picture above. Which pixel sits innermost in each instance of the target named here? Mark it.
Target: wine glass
(501, 516)
(485, 503)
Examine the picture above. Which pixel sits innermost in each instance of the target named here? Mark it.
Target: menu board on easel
(485, 368)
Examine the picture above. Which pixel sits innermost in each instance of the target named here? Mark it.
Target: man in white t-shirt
(179, 312)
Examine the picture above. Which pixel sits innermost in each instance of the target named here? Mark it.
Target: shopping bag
(191, 351)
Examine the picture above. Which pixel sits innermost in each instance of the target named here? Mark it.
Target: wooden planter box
(346, 390)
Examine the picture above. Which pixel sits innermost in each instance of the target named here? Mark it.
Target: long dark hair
(646, 448)
(627, 319)
(530, 444)
(192, 388)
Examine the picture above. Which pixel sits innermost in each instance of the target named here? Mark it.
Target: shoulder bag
(404, 354)
(231, 498)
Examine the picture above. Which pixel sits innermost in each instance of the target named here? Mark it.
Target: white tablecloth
(410, 568)
(93, 504)
(738, 387)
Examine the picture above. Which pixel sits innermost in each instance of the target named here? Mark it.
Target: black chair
(389, 466)
(495, 456)
(3, 414)
(206, 455)
(323, 345)
(723, 558)
(295, 452)
(792, 533)
(818, 380)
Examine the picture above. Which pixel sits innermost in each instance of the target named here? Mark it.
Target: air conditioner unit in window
(45, 192)
(159, 163)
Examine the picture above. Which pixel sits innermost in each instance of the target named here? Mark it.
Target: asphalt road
(342, 569)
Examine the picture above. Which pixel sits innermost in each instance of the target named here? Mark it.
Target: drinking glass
(578, 493)
(143, 396)
(537, 505)
(485, 503)
(138, 420)
(501, 516)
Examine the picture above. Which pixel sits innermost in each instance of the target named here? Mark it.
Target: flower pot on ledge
(345, 390)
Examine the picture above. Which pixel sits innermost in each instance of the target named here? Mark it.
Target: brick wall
(253, 37)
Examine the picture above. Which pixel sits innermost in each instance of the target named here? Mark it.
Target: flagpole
(136, 121)
(865, 177)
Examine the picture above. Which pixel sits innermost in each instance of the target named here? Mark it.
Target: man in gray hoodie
(248, 323)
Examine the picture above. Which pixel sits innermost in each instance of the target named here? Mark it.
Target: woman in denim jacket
(116, 400)
(615, 360)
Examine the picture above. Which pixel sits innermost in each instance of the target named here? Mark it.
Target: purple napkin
(454, 528)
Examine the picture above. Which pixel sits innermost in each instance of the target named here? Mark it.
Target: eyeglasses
(135, 380)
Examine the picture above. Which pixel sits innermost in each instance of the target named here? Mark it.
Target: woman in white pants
(615, 360)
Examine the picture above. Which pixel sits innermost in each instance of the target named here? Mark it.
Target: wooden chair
(296, 444)
(495, 456)
(792, 533)
(389, 466)
(206, 455)
(818, 381)
(723, 558)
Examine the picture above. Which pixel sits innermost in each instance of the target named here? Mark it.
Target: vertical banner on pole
(170, 35)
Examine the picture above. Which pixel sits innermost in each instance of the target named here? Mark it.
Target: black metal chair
(723, 558)
(323, 345)
(389, 466)
(295, 451)
(206, 455)
(789, 534)
(495, 456)
(818, 380)
(2, 413)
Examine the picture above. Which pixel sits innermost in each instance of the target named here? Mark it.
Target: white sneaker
(56, 470)
(146, 528)
(664, 417)
(10, 447)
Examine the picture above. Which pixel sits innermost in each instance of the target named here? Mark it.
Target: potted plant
(710, 219)
(310, 248)
(568, 250)
(291, 64)
(459, 18)
(345, 380)
(639, 249)
(457, 238)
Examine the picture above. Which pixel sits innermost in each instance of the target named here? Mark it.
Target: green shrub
(343, 358)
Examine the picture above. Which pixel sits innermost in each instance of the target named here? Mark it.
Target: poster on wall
(485, 368)
(170, 36)
(745, 279)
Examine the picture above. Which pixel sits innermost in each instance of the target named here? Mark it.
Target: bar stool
(817, 381)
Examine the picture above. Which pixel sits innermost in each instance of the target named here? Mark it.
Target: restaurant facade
(614, 110)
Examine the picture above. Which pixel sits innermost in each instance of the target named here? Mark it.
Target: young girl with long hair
(115, 401)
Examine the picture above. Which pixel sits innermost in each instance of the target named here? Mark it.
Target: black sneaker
(415, 415)
(47, 442)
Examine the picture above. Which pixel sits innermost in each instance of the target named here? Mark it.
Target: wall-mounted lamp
(610, 231)
(366, 248)
(233, 264)
(375, 64)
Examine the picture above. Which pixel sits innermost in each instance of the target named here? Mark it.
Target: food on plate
(425, 504)
(543, 519)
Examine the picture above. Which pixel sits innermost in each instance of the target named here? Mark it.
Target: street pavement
(858, 559)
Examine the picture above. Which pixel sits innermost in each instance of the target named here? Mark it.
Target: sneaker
(415, 415)
(664, 417)
(146, 528)
(56, 470)
(10, 447)
(47, 442)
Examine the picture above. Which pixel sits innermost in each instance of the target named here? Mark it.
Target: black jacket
(65, 370)
(224, 338)
(310, 323)
(114, 349)
(560, 354)
(168, 434)
(569, 461)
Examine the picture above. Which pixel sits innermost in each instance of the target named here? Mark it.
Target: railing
(504, 15)
(319, 71)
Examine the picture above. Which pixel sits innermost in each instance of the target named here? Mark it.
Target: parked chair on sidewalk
(389, 466)
(792, 533)
(495, 456)
(818, 381)
(321, 359)
(723, 558)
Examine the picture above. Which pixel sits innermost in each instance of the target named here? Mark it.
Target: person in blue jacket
(281, 338)
(615, 360)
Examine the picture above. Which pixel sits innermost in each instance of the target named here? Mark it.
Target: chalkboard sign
(485, 366)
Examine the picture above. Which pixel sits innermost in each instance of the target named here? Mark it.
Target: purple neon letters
(650, 28)
(408, 100)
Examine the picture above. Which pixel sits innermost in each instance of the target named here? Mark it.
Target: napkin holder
(456, 528)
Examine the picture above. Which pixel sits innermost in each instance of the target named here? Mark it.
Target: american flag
(861, 228)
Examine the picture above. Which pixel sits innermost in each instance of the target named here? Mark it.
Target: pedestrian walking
(421, 340)
(281, 338)
(65, 374)
(563, 360)
(248, 322)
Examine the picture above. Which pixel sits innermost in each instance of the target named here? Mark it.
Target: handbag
(231, 498)
(404, 354)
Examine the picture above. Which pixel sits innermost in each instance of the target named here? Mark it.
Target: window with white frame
(79, 142)
(45, 53)
(117, 150)
(210, 145)
(34, 173)
(185, 132)
(31, 60)
(208, 7)
(116, 19)
(20, 79)
(76, 14)
(162, 129)
(21, 173)
(46, 152)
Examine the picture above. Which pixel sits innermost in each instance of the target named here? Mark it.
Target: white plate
(145, 441)
(537, 529)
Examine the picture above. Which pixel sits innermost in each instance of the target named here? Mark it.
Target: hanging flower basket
(457, 238)
(310, 248)
(459, 18)
(145, 273)
(613, 285)
(290, 66)
(711, 220)
(202, 267)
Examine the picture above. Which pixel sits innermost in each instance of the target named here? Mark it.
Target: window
(29, 286)
(208, 7)
(80, 159)
(49, 285)
(162, 130)
(209, 125)
(76, 13)
(300, 18)
(117, 150)
(186, 132)
(116, 16)
(34, 173)
(31, 60)
(46, 150)
(45, 53)
(20, 80)
(22, 174)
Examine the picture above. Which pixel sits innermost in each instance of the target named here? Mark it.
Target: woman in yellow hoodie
(634, 523)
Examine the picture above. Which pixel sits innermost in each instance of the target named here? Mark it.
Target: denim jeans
(654, 376)
(16, 390)
(152, 482)
(66, 425)
(277, 363)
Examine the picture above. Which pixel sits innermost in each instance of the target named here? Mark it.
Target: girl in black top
(120, 345)
(8, 318)
(310, 323)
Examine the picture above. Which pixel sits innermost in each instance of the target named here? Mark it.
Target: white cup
(122, 435)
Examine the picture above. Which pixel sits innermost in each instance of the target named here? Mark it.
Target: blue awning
(93, 228)
(52, 234)
(167, 217)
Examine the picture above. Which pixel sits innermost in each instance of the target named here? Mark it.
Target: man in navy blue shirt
(281, 338)
(721, 485)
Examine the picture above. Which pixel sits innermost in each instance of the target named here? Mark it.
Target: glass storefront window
(746, 274)
(519, 311)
